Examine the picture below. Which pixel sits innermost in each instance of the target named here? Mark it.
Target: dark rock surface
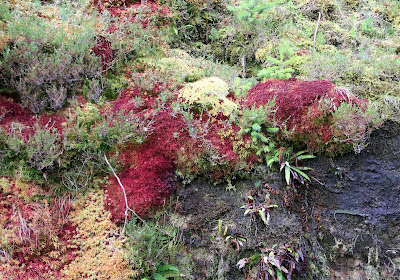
(359, 207)
(348, 218)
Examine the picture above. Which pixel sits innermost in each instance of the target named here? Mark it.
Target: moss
(101, 245)
(210, 94)
(182, 66)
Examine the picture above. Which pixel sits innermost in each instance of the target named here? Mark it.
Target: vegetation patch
(318, 115)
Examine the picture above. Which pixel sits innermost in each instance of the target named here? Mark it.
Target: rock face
(359, 204)
(348, 218)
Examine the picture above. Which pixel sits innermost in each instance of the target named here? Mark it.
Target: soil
(348, 218)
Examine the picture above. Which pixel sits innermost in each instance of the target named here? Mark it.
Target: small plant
(256, 208)
(237, 239)
(259, 123)
(288, 163)
(165, 271)
(153, 250)
(251, 11)
(279, 263)
(280, 68)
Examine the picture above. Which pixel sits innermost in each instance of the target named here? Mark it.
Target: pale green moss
(211, 94)
(181, 66)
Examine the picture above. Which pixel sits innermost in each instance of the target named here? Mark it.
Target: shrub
(353, 123)
(48, 67)
(209, 94)
(88, 136)
(43, 148)
(154, 245)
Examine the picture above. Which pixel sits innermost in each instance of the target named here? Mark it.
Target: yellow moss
(4, 185)
(181, 66)
(101, 253)
(226, 134)
(4, 39)
(242, 148)
(210, 93)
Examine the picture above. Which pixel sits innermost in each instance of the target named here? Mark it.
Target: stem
(243, 61)
(316, 28)
(127, 208)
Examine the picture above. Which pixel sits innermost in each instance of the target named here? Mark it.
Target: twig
(243, 61)
(316, 28)
(127, 208)
(319, 182)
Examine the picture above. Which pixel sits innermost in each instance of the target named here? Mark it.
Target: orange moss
(101, 253)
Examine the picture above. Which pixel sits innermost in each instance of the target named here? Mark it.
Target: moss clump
(210, 94)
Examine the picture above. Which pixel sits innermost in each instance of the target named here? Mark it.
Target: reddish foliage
(293, 97)
(103, 49)
(149, 168)
(13, 112)
(127, 102)
(300, 105)
(147, 179)
(147, 184)
(125, 12)
(33, 227)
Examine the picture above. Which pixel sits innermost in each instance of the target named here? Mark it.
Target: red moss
(103, 49)
(30, 257)
(149, 168)
(13, 112)
(301, 107)
(148, 173)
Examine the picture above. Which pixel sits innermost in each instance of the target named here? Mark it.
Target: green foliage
(43, 148)
(242, 85)
(281, 67)
(48, 67)
(250, 11)
(279, 263)
(194, 20)
(12, 148)
(88, 136)
(71, 160)
(260, 124)
(288, 163)
(153, 250)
